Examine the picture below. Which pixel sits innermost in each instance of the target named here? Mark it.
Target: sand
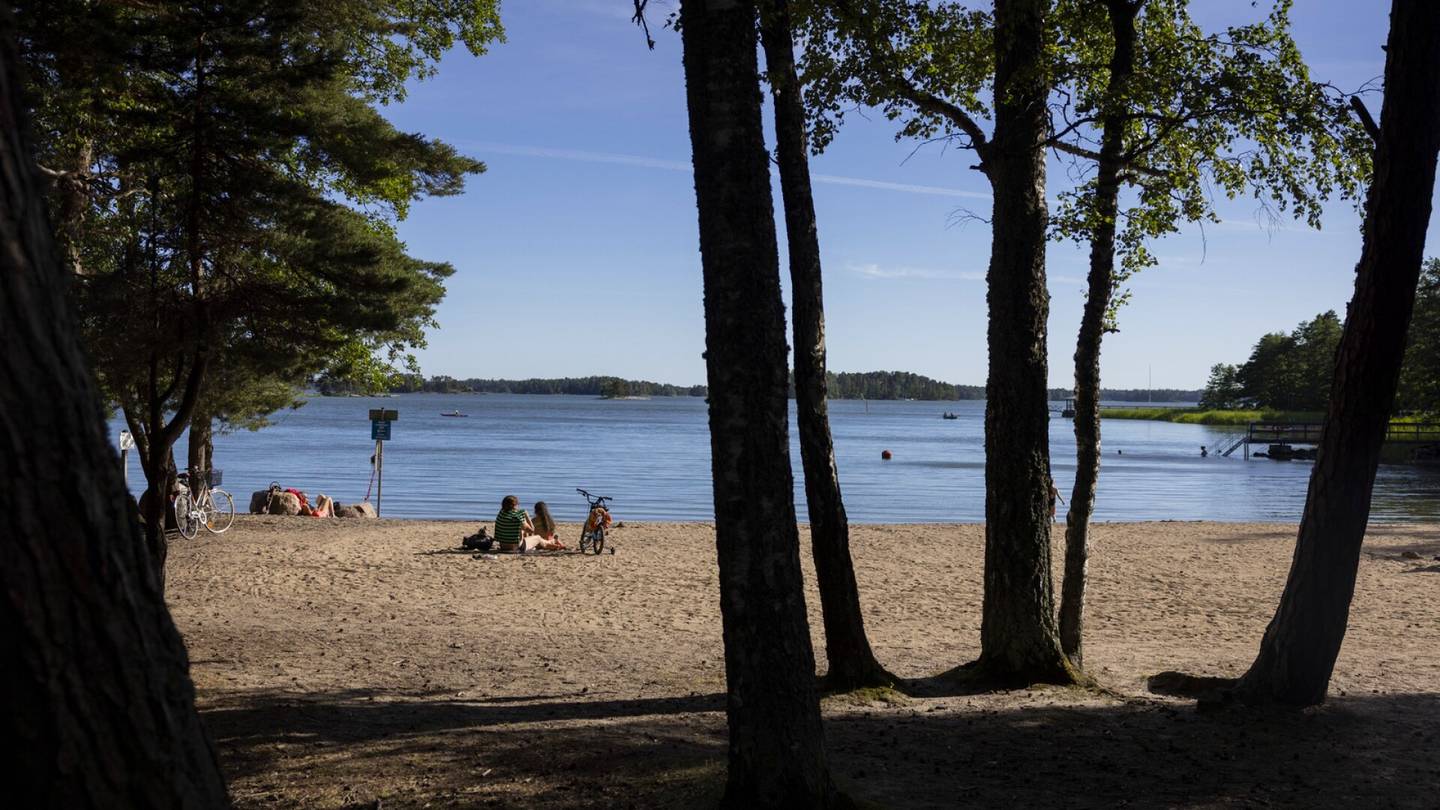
(371, 663)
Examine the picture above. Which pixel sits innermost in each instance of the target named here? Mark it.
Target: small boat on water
(454, 413)
(949, 415)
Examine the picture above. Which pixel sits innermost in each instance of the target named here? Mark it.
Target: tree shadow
(1087, 751)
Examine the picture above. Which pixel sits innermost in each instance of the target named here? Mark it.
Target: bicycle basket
(215, 478)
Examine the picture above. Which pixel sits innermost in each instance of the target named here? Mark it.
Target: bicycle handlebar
(594, 498)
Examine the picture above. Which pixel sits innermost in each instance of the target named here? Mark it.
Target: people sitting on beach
(516, 533)
(545, 530)
(512, 525)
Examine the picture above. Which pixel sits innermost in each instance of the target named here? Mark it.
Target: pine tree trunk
(102, 710)
(852, 664)
(1019, 641)
(777, 752)
(201, 448)
(1101, 284)
(1297, 654)
(158, 509)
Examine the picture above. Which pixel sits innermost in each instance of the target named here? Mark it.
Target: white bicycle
(212, 507)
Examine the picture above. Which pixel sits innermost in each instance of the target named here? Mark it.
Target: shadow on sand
(352, 748)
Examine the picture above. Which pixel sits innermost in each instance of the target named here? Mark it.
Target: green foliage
(1223, 390)
(1207, 416)
(1293, 372)
(239, 189)
(1233, 112)
(1420, 377)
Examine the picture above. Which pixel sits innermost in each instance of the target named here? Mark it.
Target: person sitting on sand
(544, 530)
(512, 525)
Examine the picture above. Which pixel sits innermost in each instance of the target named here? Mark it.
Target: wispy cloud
(1074, 281)
(644, 162)
(902, 272)
(909, 188)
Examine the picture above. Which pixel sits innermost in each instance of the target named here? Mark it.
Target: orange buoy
(885, 455)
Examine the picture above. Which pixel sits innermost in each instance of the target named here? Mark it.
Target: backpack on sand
(479, 541)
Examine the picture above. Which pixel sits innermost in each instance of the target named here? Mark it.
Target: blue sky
(577, 251)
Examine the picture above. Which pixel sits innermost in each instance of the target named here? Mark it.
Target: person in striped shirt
(512, 525)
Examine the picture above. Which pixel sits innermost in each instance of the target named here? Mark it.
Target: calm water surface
(653, 456)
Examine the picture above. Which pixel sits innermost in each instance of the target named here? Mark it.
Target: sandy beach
(373, 663)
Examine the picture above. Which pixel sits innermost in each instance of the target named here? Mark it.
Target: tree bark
(1019, 641)
(96, 676)
(201, 449)
(852, 663)
(1298, 652)
(1101, 284)
(777, 752)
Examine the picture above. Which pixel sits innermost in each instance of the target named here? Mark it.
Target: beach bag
(479, 541)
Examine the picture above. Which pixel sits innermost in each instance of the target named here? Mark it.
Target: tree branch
(1366, 120)
(885, 58)
(639, 19)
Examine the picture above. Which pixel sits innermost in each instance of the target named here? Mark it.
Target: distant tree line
(1293, 372)
(1137, 394)
(877, 385)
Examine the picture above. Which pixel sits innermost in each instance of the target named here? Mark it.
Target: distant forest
(876, 385)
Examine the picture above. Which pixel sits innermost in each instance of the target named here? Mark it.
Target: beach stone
(260, 502)
(284, 503)
(355, 510)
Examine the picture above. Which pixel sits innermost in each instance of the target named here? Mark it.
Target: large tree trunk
(102, 710)
(777, 751)
(1298, 652)
(847, 650)
(1019, 642)
(1101, 285)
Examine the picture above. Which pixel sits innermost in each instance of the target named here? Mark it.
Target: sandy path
(342, 662)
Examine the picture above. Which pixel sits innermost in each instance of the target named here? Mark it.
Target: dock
(1405, 442)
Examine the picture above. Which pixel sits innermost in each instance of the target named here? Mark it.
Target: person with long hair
(545, 528)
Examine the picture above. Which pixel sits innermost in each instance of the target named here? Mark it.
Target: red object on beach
(885, 455)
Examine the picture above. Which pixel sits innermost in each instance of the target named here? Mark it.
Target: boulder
(355, 510)
(260, 502)
(284, 503)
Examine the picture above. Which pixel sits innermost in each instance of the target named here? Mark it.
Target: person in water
(545, 530)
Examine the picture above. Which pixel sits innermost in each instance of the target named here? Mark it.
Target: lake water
(653, 457)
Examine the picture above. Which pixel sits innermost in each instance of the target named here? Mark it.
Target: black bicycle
(597, 522)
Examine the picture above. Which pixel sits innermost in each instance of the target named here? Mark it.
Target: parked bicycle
(211, 507)
(597, 522)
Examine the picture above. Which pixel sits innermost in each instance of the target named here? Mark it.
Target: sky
(576, 252)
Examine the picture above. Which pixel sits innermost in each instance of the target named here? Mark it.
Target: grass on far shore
(1196, 416)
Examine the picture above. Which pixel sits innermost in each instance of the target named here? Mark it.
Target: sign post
(126, 442)
(380, 420)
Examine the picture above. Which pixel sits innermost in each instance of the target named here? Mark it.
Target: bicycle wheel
(598, 544)
(221, 514)
(584, 541)
(187, 520)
